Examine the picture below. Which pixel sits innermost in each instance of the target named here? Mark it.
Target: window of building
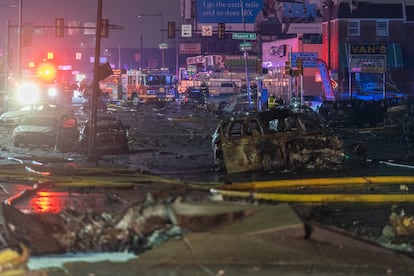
(312, 38)
(382, 28)
(353, 28)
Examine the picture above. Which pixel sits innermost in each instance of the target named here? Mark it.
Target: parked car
(275, 140)
(60, 112)
(196, 94)
(40, 131)
(225, 88)
(47, 131)
(111, 135)
(352, 112)
(312, 101)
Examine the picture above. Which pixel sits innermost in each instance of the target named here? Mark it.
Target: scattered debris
(402, 224)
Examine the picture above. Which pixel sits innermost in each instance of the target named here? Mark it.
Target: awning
(394, 55)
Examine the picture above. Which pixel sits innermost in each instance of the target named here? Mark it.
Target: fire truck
(142, 86)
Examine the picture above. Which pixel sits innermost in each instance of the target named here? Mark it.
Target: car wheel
(135, 100)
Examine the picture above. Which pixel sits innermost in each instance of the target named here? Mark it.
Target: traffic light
(287, 68)
(299, 65)
(105, 28)
(171, 29)
(27, 34)
(59, 27)
(221, 30)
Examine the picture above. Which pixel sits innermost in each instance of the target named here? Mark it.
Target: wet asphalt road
(175, 141)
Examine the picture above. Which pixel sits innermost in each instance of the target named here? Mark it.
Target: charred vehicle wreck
(276, 140)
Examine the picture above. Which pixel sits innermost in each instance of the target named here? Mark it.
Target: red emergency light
(47, 71)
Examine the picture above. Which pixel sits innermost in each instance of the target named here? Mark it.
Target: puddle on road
(54, 202)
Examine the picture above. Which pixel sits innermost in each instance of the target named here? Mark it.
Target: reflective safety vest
(271, 102)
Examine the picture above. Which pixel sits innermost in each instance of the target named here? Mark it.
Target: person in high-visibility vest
(271, 102)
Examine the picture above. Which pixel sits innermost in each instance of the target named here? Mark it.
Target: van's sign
(368, 49)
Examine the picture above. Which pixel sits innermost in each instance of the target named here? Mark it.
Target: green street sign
(162, 46)
(245, 46)
(244, 36)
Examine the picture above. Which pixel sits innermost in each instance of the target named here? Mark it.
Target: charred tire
(135, 100)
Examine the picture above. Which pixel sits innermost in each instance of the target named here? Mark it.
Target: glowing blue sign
(230, 11)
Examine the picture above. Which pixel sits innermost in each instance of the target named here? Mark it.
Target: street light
(162, 32)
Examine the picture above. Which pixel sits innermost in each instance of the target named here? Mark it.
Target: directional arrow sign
(163, 46)
(244, 36)
(245, 46)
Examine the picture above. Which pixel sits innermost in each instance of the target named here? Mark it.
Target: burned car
(276, 140)
(111, 135)
(352, 112)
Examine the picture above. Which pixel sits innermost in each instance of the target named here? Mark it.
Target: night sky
(119, 12)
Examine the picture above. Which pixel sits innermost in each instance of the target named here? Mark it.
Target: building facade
(368, 45)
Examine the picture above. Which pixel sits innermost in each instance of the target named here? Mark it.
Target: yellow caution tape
(319, 198)
(248, 189)
(284, 183)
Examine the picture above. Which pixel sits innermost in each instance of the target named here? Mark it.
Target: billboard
(275, 53)
(250, 15)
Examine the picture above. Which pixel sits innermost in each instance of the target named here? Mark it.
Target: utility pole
(20, 41)
(246, 61)
(7, 70)
(94, 108)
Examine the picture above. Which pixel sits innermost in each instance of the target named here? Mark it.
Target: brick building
(353, 34)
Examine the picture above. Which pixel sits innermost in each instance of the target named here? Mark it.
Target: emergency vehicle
(141, 86)
(150, 86)
(114, 85)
